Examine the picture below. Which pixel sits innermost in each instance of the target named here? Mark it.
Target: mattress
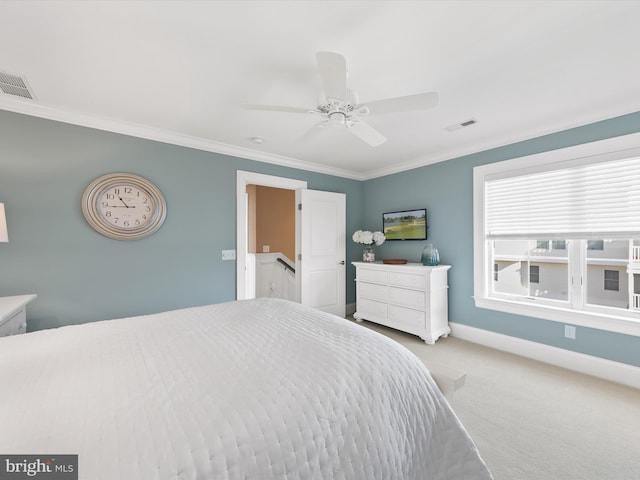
(254, 389)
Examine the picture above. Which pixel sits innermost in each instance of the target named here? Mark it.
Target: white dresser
(411, 297)
(13, 314)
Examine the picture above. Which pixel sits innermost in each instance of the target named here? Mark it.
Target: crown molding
(169, 137)
(524, 136)
(199, 143)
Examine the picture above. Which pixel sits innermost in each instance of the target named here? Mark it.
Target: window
(534, 274)
(567, 219)
(612, 280)
(595, 244)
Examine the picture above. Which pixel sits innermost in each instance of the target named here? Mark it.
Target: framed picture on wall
(405, 224)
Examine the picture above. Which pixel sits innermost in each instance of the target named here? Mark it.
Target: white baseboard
(598, 367)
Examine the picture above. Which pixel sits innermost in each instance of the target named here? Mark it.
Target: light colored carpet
(534, 421)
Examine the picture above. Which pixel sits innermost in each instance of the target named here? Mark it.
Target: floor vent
(458, 126)
(15, 85)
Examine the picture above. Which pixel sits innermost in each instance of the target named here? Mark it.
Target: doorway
(271, 243)
(320, 273)
(245, 179)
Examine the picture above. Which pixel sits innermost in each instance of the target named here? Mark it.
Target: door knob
(342, 262)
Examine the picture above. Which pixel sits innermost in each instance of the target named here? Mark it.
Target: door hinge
(299, 256)
(299, 206)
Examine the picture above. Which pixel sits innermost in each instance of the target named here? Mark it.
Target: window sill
(611, 323)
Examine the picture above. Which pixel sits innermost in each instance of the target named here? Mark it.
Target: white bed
(256, 389)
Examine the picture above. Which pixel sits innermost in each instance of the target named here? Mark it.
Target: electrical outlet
(228, 254)
(265, 249)
(570, 332)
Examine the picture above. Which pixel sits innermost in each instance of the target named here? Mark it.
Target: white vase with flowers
(368, 239)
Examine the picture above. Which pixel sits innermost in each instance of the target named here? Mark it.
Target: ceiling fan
(339, 105)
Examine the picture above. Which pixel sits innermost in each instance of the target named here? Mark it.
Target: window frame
(604, 150)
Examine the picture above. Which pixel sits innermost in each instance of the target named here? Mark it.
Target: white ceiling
(179, 71)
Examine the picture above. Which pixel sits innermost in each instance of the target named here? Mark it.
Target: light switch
(228, 254)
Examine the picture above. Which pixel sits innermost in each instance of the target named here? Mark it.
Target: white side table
(13, 314)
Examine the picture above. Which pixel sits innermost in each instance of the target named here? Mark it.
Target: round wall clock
(123, 206)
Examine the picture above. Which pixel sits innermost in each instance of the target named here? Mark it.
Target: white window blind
(598, 200)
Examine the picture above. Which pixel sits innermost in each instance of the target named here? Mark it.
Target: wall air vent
(458, 126)
(15, 85)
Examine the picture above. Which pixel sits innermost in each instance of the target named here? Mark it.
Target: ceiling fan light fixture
(338, 117)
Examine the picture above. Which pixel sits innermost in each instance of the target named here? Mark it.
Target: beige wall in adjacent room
(275, 220)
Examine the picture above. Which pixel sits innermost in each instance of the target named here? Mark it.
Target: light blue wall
(81, 276)
(446, 189)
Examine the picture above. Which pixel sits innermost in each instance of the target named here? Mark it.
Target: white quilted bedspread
(257, 389)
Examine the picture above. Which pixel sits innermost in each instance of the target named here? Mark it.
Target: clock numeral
(137, 222)
(144, 200)
(105, 204)
(127, 190)
(115, 219)
(110, 196)
(107, 213)
(147, 209)
(116, 191)
(126, 223)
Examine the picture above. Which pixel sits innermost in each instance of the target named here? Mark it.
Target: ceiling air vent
(458, 126)
(15, 85)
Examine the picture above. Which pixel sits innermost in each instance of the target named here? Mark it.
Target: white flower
(367, 238)
(379, 238)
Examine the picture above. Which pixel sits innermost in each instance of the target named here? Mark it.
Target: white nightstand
(13, 315)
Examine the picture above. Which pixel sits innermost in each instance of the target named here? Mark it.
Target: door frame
(243, 179)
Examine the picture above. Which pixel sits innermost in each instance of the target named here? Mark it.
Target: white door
(321, 250)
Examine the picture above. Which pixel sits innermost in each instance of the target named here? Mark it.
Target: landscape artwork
(405, 225)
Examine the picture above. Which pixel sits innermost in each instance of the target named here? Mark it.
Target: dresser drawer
(407, 280)
(376, 276)
(15, 324)
(372, 290)
(407, 298)
(372, 309)
(407, 319)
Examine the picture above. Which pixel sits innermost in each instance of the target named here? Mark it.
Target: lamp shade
(4, 235)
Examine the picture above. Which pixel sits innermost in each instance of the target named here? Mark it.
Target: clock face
(126, 206)
(123, 206)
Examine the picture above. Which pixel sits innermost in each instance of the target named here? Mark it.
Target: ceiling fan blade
(333, 70)
(277, 108)
(312, 133)
(367, 133)
(420, 101)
